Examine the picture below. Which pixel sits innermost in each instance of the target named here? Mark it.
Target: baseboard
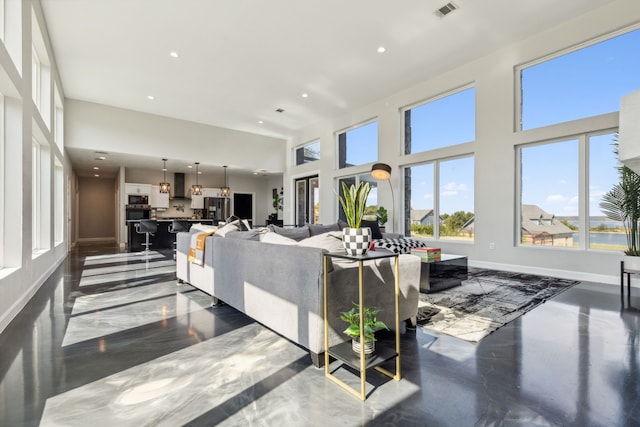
(92, 240)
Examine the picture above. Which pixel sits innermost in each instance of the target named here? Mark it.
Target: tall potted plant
(355, 239)
(622, 203)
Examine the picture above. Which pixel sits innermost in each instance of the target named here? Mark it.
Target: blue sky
(585, 83)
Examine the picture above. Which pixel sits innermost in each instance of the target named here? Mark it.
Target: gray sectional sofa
(278, 281)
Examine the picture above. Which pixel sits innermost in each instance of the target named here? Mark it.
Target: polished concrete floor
(112, 340)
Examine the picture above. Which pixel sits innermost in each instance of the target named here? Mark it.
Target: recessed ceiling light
(255, 173)
(382, 49)
(96, 168)
(150, 97)
(189, 166)
(174, 54)
(260, 122)
(96, 175)
(305, 95)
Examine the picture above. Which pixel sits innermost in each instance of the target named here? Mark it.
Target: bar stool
(147, 227)
(175, 227)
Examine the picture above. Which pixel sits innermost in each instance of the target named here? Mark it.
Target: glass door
(307, 200)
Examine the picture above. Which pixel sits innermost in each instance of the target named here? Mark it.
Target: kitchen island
(162, 239)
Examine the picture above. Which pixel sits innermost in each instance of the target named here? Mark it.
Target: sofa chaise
(278, 281)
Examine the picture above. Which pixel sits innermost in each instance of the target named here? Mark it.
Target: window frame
(302, 147)
(436, 98)
(344, 131)
(584, 173)
(436, 162)
(518, 92)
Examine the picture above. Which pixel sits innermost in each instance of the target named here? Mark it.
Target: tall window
(36, 208)
(441, 199)
(561, 186)
(41, 196)
(58, 120)
(445, 121)
(41, 72)
(358, 146)
(308, 153)
(59, 202)
(583, 83)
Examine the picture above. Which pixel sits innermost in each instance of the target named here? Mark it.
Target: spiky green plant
(353, 202)
(622, 203)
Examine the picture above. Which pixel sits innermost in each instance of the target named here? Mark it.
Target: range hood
(178, 186)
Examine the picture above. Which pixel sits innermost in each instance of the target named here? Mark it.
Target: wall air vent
(280, 110)
(446, 9)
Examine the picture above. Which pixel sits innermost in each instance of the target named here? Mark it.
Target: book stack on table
(427, 253)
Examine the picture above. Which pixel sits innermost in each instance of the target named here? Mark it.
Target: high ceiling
(239, 61)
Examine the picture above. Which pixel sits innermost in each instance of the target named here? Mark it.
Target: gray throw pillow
(244, 235)
(315, 229)
(330, 241)
(373, 225)
(295, 233)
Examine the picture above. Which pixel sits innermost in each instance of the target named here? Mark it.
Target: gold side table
(343, 352)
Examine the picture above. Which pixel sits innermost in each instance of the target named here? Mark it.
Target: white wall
(494, 150)
(116, 130)
(629, 141)
(21, 271)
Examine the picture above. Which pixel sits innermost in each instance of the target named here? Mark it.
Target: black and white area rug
(486, 301)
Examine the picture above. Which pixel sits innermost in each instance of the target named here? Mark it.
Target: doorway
(243, 206)
(307, 200)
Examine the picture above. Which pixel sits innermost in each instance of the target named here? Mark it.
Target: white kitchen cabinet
(157, 199)
(211, 192)
(197, 201)
(138, 189)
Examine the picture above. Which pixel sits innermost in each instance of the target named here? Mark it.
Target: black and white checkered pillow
(399, 246)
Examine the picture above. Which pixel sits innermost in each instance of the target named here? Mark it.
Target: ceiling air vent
(446, 9)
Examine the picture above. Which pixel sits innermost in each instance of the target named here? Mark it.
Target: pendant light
(225, 189)
(165, 187)
(196, 190)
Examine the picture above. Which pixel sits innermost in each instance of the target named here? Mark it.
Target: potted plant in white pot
(370, 325)
(622, 203)
(355, 239)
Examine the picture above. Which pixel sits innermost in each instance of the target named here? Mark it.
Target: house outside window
(307, 153)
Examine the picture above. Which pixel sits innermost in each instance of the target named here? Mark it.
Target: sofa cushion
(296, 233)
(232, 226)
(315, 229)
(253, 234)
(375, 229)
(204, 228)
(331, 241)
(272, 237)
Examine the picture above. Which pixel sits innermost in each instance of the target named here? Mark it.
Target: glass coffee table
(443, 273)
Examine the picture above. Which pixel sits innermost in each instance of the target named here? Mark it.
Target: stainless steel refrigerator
(216, 208)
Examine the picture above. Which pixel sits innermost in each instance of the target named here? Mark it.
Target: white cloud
(556, 198)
